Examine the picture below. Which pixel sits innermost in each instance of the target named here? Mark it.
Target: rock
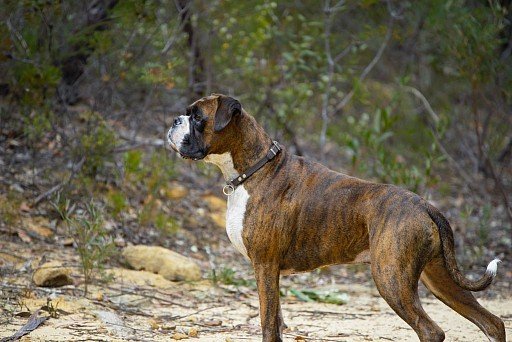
(140, 278)
(193, 332)
(219, 219)
(215, 203)
(169, 264)
(9, 259)
(212, 322)
(168, 326)
(154, 324)
(52, 274)
(179, 336)
(217, 209)
(109, 225)
(68, 304)
(67, 242)
(119, 241)
(24, 236)
(38, 226)
(98, 296)
(174, 191)
(24, 207)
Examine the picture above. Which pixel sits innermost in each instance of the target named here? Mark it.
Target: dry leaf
(179, 336)
(24, 236)
(193, 332)
(212, 323)
(154, 324)
(24, 207)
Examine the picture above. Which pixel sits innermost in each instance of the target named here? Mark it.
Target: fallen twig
(33, 322)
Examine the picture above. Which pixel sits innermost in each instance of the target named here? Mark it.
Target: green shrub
(369, 142)
(93, 244)
(116, 202)
(96, 145)
(227, 276)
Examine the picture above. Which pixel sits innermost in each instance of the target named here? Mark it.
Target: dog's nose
(177, 122)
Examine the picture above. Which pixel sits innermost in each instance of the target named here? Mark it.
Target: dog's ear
(227, 108)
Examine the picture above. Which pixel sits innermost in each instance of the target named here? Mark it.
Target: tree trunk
(73, 66)
(197, 72)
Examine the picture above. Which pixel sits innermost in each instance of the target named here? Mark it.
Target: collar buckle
(275, 145)
(228, 189)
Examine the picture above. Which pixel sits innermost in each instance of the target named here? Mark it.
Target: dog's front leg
(267, 280)
(281, 323)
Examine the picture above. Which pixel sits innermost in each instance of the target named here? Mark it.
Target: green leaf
(301, 296)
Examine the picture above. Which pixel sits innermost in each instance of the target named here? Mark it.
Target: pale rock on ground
(52, 274)
(169, 264)
(217, 209)
(174, 191)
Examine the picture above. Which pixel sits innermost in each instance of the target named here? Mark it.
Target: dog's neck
(250, 148)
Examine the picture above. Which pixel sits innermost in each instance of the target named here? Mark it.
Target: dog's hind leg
(398, 284)
(436, 279)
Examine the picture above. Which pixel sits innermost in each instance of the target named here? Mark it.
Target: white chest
(237, 204)
(237, 201)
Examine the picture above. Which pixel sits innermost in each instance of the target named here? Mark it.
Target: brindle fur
(302, 215)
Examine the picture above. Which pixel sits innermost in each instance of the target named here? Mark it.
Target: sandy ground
(129, 311)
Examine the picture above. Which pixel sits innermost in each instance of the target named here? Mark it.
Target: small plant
(477, 222)
(52, 309)
(227, 276)
(96, 145)
(116, 202)
(132, 162)
(150, 176)
(311, 295)
(484, 225)
(151, 214)
(166, 224)
(92, 242)
(9, 208)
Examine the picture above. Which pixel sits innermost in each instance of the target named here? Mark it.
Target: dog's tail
(448, 250)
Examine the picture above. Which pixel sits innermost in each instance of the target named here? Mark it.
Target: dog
(287, 214)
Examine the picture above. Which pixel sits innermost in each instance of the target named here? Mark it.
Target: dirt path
(203, 312)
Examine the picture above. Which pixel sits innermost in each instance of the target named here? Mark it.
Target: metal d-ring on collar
(231, 185)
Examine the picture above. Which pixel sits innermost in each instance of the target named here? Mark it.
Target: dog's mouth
(172, 146)
(199, 155)
(195, 156)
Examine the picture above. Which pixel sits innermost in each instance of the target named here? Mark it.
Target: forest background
(414, 93)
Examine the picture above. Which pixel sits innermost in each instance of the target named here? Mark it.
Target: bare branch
(425, 102)
(330, 74)
(137, 141)
(369, 67)
(460, 170)
(342, 54)
(17, 36)
(179, 27)
(338, 6)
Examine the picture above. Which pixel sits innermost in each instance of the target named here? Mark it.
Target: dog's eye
(197, 117)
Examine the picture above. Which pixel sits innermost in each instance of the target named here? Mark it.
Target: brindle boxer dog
(294, 215)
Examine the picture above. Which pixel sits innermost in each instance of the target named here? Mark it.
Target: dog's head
(198, 133)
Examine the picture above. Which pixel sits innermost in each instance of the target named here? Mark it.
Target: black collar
(231, 185)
